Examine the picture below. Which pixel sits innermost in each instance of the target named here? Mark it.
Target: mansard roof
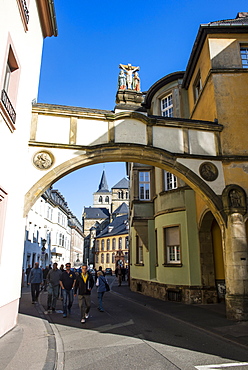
(122, 184)
(103, 186)
(95, 213)
(122, 209)
(118, 226)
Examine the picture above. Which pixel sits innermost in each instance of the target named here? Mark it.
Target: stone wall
(185, 294)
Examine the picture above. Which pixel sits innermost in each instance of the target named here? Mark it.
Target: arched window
(97, 245)
(97, 259)
(106, 199)
(120, 243)
(108, 244)
(100, 199)
(126, 242)
(102, 245)
(113, 243)
(107, 258)
(119, 194)
(126, 257)
(122, 194)
(113, 257)
(102, 258)
(127, 195)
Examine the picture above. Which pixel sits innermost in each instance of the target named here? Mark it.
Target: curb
(51, 358)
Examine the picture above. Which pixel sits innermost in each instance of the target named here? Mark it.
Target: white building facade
(23, 26)
(52, 233)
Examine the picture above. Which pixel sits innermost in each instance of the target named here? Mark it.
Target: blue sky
(80, 66)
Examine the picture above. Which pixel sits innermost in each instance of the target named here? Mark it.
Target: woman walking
(101, 289)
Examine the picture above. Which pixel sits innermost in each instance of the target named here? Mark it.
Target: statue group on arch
(128, 78)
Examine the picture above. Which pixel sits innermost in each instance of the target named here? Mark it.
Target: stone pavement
(36, 343)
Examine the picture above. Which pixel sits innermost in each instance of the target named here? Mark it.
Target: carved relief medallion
(43, 160)
(208, 171)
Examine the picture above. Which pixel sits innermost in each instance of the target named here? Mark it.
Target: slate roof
(95, 213)
(122, 209)
(119, 225)
(103, 186)
(241, 19)
(122, 184)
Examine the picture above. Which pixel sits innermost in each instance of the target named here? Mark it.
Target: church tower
(102, 197)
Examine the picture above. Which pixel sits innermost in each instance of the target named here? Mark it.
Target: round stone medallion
(208, 171)
(43, 160)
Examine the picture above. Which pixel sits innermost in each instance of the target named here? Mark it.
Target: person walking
(101, 289)
(53, 284)
(118, 274)
(45, 273)
(35, 279)
(67, 283)
(28, 270)
(84, 284)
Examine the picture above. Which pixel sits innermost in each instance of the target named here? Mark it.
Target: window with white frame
(139, 250)
(144, 185)
(172, 245)
(244, 55)
(167, 106)
(170, 181)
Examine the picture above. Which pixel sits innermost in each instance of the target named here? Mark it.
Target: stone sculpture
(132, 83)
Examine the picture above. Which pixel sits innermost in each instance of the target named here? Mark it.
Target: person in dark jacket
(101, 284)
(84, 284)
(67, 282)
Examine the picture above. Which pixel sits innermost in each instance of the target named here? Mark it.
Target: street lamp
(43, 242)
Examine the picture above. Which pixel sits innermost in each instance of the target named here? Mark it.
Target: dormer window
(110, 228)
(167, 106)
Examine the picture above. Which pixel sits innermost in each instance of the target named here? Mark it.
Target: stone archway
(129, 153)
(211, 253)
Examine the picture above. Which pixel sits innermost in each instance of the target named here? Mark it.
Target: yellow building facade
(180, 250)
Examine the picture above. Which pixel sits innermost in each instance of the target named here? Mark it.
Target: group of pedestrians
(70, 285)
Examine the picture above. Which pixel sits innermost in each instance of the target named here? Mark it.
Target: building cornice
(159, 84)
(203, 32)
(47, 16)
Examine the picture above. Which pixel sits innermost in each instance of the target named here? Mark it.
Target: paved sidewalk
(35, 344)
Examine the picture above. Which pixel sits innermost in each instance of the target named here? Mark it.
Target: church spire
(103, 186)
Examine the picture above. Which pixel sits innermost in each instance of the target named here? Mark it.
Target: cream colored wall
(110, 251)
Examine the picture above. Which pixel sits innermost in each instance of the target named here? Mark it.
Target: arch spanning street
(88, 137)
(64, 139)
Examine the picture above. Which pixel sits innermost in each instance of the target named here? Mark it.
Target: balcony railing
(25, 9)
(8, 106)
